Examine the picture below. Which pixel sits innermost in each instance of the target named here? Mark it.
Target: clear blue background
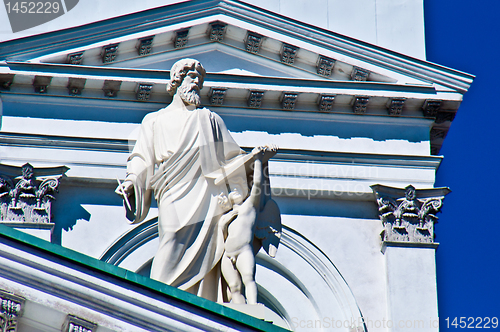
(465, 35)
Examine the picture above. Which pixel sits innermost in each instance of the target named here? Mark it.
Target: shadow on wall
(68, 208)
(328, 207)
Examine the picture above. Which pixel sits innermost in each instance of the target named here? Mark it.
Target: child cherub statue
(253, 222)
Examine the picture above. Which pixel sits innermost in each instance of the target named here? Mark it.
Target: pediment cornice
(328, 46)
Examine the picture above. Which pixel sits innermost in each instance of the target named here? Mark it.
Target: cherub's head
(223, 201)
(229, 201)
(235, 196)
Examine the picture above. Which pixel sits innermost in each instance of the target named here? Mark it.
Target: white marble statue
(180, 156)
(251, 223)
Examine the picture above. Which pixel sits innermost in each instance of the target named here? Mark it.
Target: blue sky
(464, 35)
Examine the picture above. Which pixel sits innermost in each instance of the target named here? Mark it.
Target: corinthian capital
(408, 214)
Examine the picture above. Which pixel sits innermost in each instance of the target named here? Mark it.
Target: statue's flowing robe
(182, 179)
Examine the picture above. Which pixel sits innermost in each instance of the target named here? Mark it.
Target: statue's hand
(270, 151)
(257, 150)
(265, 152)
(127, 188)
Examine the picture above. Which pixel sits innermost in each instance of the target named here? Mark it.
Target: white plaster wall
(353, 245)
(394, 24)
(411, 289)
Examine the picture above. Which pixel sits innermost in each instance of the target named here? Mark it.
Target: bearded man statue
(179, 154)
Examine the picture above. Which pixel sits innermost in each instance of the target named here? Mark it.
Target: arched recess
(301, 285)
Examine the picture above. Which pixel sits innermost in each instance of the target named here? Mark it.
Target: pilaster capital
(11, 308)
(26, 194)
(408, 214)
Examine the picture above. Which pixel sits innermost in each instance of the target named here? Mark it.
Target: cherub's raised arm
(261, 155)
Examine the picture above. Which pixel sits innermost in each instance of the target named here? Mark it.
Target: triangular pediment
(263, 42)
(255, 58)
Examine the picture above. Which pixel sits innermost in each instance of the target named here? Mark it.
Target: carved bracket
(11, 308)
(181, 38)
(288, 53)
(77, 324)
(395, 106)
(109, 53)
(28, 198)
(409, 214)
(359, 74)
(325, 103)
(359, 104)
(6, 81)
(41, 83)
(217, 96)
(76, 85)
(216, 31)
(75, 58)
(324, 66)
(144, 91)
(431, 107)
(111, 88)
(145, 46)
(288, 100)
(255, 99)
(253, 42)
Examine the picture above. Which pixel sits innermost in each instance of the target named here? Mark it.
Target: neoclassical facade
(359, 129)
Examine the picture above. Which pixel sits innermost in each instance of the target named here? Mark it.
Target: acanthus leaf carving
(217, 31)
(255, 99)
(145, 45)
(11, 308)
(410, 218)
(109, 53)
(77, 324)
(181, 38)
(325, 66)
(253, 42)
(288, 53)
(27, 199)
(217, 96)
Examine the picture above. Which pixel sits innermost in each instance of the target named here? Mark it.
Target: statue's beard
(190, 95)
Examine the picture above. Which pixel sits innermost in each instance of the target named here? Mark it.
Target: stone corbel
(359, 74)
(11, 308)
(181, 38)
(395, 106)
(288, 53)
(216, 31)
(111, 88)
(217, 96)
(253, 42)
(359, 104)
(325, 66)
(431, 107)
(109, 53)
(288, 100)
(408, 215)
(144, 91)
(325, 103)
(255, 99)
(77, 324)
(145, 45)
(6, 81)
(76, 85)
(41, 83)
(75, 58)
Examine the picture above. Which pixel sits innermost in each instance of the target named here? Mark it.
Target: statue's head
(186, 79)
